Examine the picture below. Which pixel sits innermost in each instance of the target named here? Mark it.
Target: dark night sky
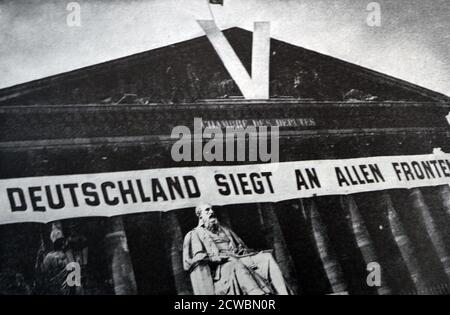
(413, 42)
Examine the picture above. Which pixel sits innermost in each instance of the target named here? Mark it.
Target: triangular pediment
(190, 71)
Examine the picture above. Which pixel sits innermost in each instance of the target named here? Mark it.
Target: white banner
(45, 199)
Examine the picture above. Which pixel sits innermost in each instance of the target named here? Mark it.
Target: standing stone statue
(54, 265)
(220, 263)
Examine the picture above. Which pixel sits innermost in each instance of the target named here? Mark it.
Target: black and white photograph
(224, 148)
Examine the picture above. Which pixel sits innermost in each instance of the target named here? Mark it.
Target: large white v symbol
(256, 86)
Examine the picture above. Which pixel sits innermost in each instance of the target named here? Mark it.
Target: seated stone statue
(220, 263)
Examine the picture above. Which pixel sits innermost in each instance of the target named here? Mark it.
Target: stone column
(174, 246)
(330, 263)
(363, 239)
(275, 239)
(433, 232)
(405, 246)
(224, 218)
(444, 196)
(119, 259)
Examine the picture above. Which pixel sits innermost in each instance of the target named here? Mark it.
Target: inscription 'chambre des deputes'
(243, 123)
